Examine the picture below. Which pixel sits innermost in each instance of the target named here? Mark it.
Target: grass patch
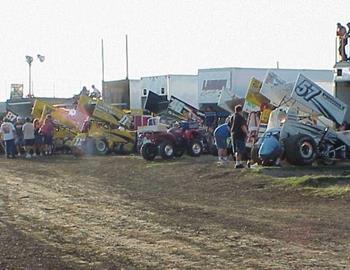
(321, 185)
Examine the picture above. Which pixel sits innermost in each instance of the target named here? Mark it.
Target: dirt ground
(125, 213)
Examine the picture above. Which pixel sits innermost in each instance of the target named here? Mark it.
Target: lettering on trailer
(209, 85)
(312, 96)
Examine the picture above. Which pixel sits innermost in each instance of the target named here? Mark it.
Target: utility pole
(127, 57)
(103, 65)
(29, 60)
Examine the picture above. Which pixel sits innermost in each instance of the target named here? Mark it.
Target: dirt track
(125, 213)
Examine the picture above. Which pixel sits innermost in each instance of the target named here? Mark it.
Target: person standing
(343, 41)
(239, 132)
(95, 93)
(47, 130)
(9, 133)
(19, 135)
(221, 134)
(38, 138)
(28, 136)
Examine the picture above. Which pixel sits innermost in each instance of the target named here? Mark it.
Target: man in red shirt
(47, 130)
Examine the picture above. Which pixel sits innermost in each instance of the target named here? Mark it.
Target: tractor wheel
(101, 147)
(148, 151)
(195, 148)
(300, 150)
(166, 150)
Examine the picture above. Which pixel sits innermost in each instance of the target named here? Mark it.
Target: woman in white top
(8, 130)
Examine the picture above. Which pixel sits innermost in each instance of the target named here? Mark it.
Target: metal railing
(342, 46)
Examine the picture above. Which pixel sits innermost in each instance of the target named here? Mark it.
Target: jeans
(10, 147)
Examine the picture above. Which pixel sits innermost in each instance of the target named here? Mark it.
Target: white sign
(211, 84)
(276, 89)
(16, 91)
(310, 95)
(10, 116)
(228, 101)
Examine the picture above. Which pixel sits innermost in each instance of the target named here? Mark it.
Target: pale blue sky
(165, 37)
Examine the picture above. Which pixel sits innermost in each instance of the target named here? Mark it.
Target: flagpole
(103, 65)
(127, 57)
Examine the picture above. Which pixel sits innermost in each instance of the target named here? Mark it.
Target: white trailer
(211, 82)
(184, 87)
(135, 94)
(342, 84)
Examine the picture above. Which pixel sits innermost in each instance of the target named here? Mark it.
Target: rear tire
(195, 148)
(101, 147)
(148, 151)
(166, 150)
(300, 150)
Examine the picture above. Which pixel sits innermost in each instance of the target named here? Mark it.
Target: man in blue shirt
(221, 134)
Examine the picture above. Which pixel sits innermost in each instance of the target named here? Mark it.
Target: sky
(165, 37)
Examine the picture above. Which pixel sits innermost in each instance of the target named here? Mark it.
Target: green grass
(321, 185)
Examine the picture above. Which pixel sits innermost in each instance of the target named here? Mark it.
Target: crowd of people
(27, 136)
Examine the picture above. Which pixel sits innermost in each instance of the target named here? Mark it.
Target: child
(29, 137)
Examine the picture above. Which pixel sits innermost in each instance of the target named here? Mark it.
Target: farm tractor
(156, 139)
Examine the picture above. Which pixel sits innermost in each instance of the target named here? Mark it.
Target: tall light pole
(29, 60)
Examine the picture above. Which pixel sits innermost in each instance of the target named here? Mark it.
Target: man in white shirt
(8, 133)
(28, 136)
(95, 93)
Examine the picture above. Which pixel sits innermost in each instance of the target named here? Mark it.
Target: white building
(184, 87)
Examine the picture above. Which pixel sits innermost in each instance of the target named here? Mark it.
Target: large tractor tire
(148, 151)
(300, 150)
(166, 150)
(101, 147)
(195, 148)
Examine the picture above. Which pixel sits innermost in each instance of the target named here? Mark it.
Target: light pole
(29, 60)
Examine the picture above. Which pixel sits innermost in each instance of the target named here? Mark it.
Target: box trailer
(183, 87)
(342, 84)
(211, 82)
